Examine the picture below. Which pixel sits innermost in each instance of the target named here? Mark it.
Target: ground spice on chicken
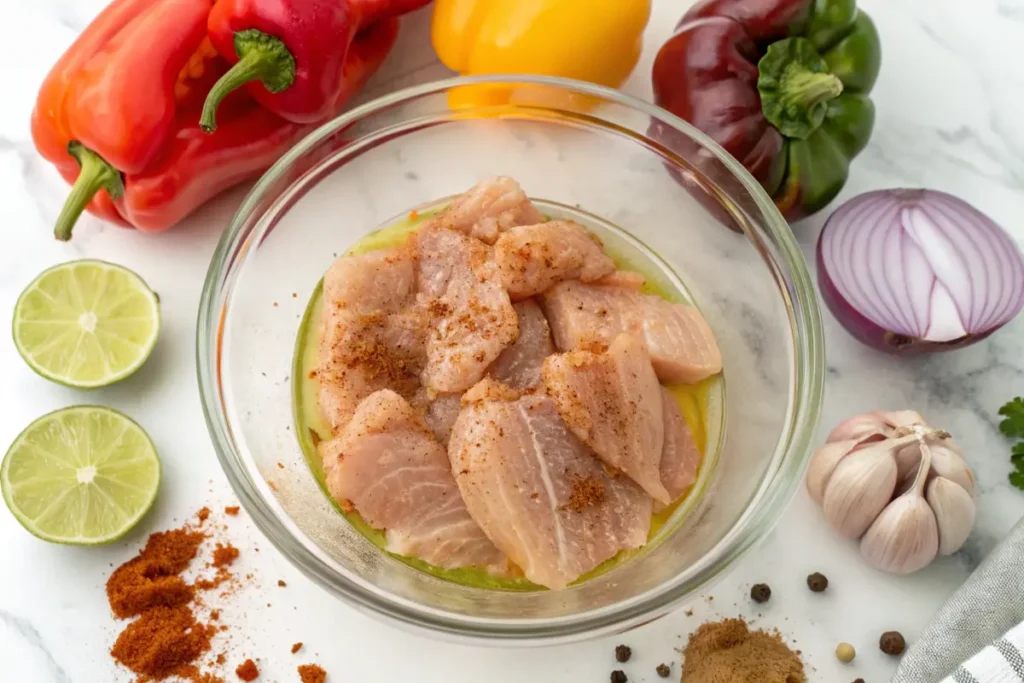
(311, 673)
(729, 652)
(586, 491)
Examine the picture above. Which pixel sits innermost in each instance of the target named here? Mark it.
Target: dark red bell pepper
(289, 54)
(782, 85)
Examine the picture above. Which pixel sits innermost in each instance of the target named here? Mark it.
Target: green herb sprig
(1013, 427)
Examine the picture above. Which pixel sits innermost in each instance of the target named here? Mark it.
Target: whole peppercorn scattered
(892, 643)
(760, 592)
(623, 653)
(664, 670)
(619, 677)
(817, 582)
(845, 653)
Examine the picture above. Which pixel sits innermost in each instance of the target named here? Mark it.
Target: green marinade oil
(312, 427)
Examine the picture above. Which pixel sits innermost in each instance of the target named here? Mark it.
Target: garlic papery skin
(905, 536)
(954, 513)
(860, 426)
(823, 464)
(948, 462)
(880, 422)
(860, 487)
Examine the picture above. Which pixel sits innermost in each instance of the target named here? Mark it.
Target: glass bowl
(668, 193)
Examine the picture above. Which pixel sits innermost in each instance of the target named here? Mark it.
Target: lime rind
(45, 342)
(77, 467)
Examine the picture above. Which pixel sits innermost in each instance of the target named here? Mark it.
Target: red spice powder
(296, 647)
(166, 639)
(311, 673)
(224, 555)
(247, 671)
(162, 642)
(231, 510)
(151, 579)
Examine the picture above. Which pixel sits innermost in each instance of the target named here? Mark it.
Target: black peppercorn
(664, 670)
(859, 680)
(817, 582)
(760, 592)
(892, 643)
(619, 677)
(623, 653)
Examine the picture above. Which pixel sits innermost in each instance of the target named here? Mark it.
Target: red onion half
(915, 271)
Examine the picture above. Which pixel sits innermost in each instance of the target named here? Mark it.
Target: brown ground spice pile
(729, 652)
(311, 673)
(231, 510)
(296, 647)
(162, 642)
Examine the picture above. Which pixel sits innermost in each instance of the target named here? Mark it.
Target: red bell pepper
(118, 115)
(289, 54)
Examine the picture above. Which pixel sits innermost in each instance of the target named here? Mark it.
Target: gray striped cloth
(977, 636)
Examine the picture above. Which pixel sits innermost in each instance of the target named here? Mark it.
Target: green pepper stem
(804, 89)
(96, 175)
(260, 57)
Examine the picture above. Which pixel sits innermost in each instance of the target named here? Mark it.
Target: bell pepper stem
(261, 57)
(96, 175)
(805, 89)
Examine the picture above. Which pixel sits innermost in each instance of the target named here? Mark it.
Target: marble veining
(948, 103)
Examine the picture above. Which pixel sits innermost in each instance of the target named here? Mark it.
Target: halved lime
(86, 323)
(82, 475)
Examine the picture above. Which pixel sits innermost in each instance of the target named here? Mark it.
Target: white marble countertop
(947, 98)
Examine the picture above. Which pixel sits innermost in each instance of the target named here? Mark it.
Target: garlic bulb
(898, 485)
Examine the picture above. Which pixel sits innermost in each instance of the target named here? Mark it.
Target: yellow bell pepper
(590, 40)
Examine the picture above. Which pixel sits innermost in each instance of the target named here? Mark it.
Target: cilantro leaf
(1013, 424)
(1018, 452)
(1017, 479)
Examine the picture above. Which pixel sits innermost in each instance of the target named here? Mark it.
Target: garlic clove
(860, 426)
(823, 463)
(908, 462)
(948, 462)
(904, 538)
(859, 489)
(954, 513)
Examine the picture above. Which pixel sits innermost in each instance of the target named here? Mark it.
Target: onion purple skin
(870, 334)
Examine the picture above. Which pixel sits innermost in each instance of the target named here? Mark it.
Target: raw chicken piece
(471, 317)
(612, 401)
(680, 457)
(623, 278)
(682, 346)
(390, 468)
(440, 414)
(539, 493)
(532, 258)
(519, 365)
(373, 335)
(488, 209)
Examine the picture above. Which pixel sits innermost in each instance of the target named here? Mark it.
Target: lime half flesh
(83, 475)
(86, 324)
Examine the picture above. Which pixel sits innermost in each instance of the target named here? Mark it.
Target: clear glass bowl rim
(789, 459)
